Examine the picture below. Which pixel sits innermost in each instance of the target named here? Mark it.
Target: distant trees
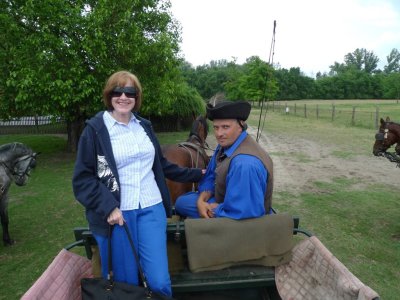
(254, 80)
(393, 62)
(357, 77)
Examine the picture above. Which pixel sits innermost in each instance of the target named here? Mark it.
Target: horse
(190, 153)
(388, 135)
(16, 162)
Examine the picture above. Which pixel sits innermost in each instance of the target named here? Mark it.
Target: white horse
(16, 162)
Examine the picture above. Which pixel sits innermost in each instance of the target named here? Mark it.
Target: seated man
(239, 178)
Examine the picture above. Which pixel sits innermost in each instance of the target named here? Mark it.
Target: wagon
(307, 271)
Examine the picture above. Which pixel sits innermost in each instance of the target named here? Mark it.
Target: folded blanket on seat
(218, 243)
(62, 278)
(314, 273)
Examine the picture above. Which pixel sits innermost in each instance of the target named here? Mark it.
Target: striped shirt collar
(110, 121)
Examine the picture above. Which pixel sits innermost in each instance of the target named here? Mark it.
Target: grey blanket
(218, 243)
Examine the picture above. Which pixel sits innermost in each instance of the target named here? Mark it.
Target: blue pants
(186, 205)
(148, 229)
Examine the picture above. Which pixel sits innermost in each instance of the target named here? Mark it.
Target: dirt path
(298, 163)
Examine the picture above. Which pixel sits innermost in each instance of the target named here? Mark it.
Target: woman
(119, 177)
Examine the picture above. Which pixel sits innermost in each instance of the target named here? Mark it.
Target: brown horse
(190, 154)
(388, 135)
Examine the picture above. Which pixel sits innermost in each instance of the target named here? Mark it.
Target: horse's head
(385, 137)
(19, 160)
(199, 130)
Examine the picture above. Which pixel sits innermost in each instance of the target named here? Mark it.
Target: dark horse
(388, 135)
(16, 161)
(190, 154)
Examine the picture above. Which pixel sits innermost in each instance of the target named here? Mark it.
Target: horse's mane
(16, 147)
(203, 121)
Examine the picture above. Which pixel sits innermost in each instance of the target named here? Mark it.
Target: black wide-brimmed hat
(229, 110)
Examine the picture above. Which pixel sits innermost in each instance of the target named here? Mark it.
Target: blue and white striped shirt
(134, 155)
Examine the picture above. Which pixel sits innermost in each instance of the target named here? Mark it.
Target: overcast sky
(310, 34)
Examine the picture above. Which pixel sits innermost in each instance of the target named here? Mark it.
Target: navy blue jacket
(101, 195)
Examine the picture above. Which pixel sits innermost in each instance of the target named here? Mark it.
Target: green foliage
(209, 79)
(393, 62)
(391, 85)
(293, 84)
(356, 78)
(56, 56)
(257, 81)
(361, 59)
(253, 80)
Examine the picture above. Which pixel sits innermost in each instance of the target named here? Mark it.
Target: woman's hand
(116, 217)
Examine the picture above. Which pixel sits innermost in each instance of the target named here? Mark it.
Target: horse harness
(381, 136)
(393, 157)
(31, 164)
(200, 152)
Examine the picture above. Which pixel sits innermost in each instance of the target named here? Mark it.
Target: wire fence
(34, 125)
(355, 116)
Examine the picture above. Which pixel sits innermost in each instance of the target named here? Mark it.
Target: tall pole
(270, 62)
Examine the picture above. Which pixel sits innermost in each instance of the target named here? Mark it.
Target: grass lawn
(358, 223)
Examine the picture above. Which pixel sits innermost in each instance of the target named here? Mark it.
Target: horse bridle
(382, 136)
(29, 165)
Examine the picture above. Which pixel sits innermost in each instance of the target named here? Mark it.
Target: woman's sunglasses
(129, 92)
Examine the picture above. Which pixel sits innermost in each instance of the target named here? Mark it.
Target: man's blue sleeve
(246, 184)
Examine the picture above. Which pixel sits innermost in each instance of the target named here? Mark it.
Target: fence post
(295, 109)
(353, 116)
(317, 112)
(305, 110)
(333, 112)
(377, 117)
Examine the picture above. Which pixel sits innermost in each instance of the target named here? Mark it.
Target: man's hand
(210, 212)
(205, 209)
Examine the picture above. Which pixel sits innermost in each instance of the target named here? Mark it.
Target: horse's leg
(4, 218)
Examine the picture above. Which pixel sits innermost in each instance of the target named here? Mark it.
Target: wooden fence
(353, 117)
(34, 125)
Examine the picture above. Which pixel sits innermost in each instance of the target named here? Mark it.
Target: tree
(293, 84)
(393, 62)
(57, 54)
(391, 85)
(362, 60)
(256, 82)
